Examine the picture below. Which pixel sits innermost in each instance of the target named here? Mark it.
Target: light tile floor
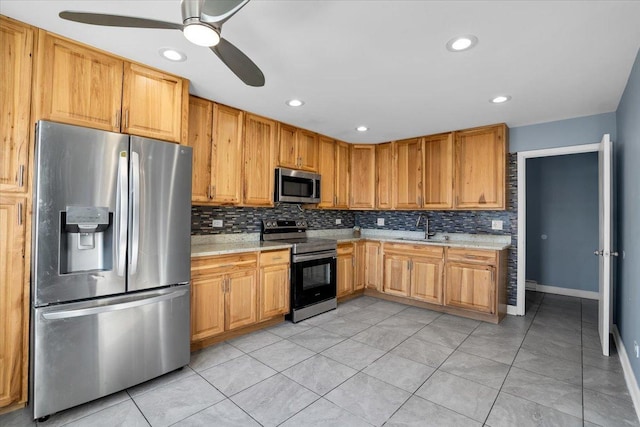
(373, 362)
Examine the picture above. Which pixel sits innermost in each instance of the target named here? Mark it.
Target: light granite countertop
(222, 244)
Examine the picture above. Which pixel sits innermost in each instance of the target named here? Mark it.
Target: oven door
(313, 278)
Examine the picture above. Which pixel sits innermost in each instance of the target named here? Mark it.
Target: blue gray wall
(562, 133)
(562, 221)
(627, 150)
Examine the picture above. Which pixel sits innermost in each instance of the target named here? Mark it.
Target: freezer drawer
(86, 350)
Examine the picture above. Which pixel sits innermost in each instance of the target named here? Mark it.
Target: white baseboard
(630, 378)
(512, 310)
(564, 291)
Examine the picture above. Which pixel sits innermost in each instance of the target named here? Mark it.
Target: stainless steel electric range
(313, 267)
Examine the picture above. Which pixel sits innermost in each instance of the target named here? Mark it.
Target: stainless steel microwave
(294, 186)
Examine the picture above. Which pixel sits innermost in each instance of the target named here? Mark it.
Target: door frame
(522, 211)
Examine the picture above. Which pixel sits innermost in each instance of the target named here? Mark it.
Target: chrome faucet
(427, 234)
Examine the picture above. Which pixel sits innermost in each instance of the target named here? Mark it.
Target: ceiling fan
(201, 24)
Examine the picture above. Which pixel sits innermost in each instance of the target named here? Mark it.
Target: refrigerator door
(87, 350)
(80, 188)
(160, 214)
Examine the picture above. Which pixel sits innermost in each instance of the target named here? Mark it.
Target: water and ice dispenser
(86, 239)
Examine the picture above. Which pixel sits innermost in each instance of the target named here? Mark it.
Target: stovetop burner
(295, 233)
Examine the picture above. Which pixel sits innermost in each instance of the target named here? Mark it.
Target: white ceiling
(384, 63)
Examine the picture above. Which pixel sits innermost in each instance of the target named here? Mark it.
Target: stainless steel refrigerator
(110, 268)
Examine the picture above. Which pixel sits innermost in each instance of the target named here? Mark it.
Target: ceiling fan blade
(219, 11)
(239, 63)
(117, 20)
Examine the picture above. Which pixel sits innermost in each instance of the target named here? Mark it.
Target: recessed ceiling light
(362, 128)
(500, 99)
(462, 43)
(172, 54)
(295, 103)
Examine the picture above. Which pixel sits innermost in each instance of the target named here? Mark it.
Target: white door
(605, 173)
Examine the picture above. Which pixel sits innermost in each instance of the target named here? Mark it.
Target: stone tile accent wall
(247, 220)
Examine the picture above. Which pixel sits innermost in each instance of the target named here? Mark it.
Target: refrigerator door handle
(135, 212)
(80, 312)
(122, 209)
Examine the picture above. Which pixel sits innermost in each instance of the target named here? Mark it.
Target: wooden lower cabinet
(207, 306)
(396, 274)
(359, 265)
(345, 267)
(241, 299)
(373, 265)
(471, 286)
(14, 300)
(274, 284)
(426, 279)
(413, 271)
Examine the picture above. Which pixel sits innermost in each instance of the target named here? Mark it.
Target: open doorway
(557, 275)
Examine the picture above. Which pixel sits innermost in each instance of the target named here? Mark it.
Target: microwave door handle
(122, 208)
(135, 211)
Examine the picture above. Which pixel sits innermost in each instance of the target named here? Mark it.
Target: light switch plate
(380, 221)
(496, 224)
(216, 223)
(338, 221)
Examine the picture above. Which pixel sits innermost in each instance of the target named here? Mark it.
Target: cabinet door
(345, 263)
(200, 126)
(426, 279)
(342, 175)
(242, 299)
(226, 158)
(274, 290)
(152, 103)
(360, 263)
(13, 302)
(470, 286)
(407, 174)
(438, 171)
(396, 275)
(307, 150)
(480, 162)
(77, 85)
(363, 176)
(259, 160)
(207, 306)
(384, 176)
(327, 170)
(287, 148)
(16, 48)
(373, 266)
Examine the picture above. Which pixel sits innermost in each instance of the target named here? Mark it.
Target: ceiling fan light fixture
(172, 54)
(462, 43)
(295, 103)
(201, 34)
(500, 99)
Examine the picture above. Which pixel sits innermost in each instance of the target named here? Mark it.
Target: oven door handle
(314, 256)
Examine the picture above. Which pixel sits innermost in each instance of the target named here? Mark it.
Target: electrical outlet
(338, 221)
(496, 224)
(636, 349)
(216, 223)
(380, 221)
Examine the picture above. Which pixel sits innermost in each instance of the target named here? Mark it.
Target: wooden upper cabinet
(384, 176)
(226, 173)
(342, 176)
(259, 160)
(297, 148)
(200, 128)
(363, 176)
(77, 85)
(154, 103)
(480, 165)
(16, 48)
(327, 170)
(438, 171)
(14, 301)
(287, 148)
(407, 174)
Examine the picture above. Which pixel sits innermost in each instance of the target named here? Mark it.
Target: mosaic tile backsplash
(248, 220)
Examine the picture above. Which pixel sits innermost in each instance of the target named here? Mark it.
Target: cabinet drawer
(414, 250)
(345, 249)
(472, 255)
(274, 257)
(223, 264)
